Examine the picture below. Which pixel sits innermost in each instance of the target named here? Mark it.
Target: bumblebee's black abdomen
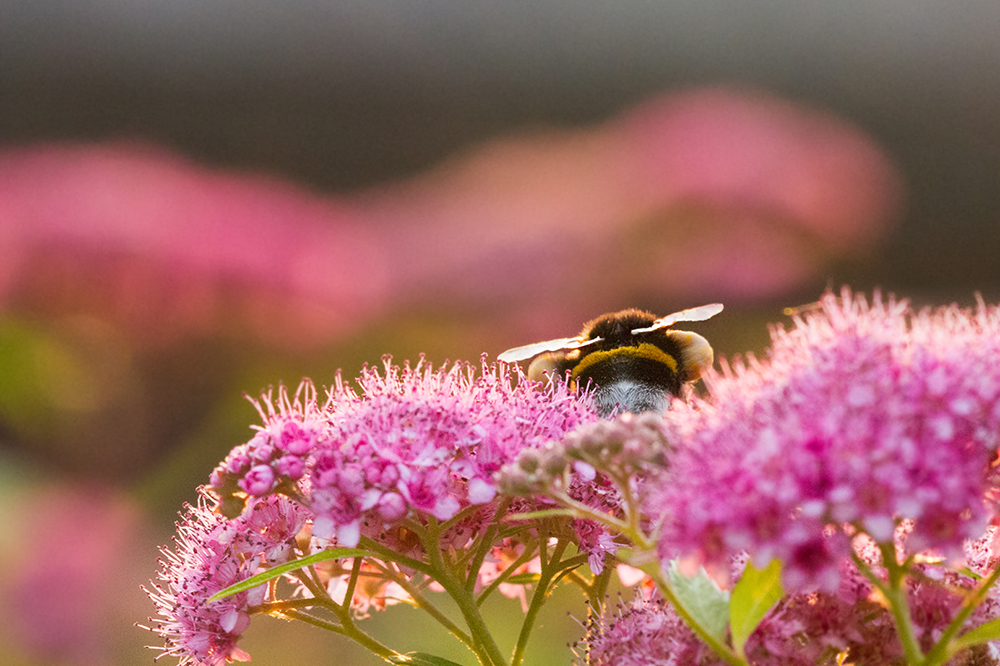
(644, 363)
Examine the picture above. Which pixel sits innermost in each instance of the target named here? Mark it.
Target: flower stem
(524, 558)
(421, 602)
(486, 541)
(349, 630)
(899, 605)
(945, 648)
(598, 588)
(894, 591)
(484, 647)
(550, 568)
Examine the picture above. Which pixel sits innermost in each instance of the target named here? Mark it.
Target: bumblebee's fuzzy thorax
(616, 328)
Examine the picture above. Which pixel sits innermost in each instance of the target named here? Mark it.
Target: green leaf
(544, 513)
(421, 659)
(753, 596)
(280, 570)
(984, 632)
(702, 598)
(966, 571)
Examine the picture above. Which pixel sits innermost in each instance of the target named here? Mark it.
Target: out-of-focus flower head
(862, 414)
(716, 191)
(168, 248)
(61, 602)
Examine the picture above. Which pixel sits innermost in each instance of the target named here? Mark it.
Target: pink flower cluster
(415, 439)
(211, 553)
(411, 443)
(810, 628)
(426, 441)
(274, 459)
(643, 633)
(863, 414)
(850, 622)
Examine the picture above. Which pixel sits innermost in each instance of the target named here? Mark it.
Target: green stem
(525, 557)
(599, 587)
(899, 605)
(282, 607)
(894, 591)
(904, 623)
(550, 568)
(352, 582)
(946, 647)
(420, 601)
(485, 544)
(310, 580)
(484, 646)
(350, 631)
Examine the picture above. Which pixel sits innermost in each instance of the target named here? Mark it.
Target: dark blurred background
(200, 199)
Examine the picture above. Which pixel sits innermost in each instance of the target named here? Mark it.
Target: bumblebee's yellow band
(645, 350)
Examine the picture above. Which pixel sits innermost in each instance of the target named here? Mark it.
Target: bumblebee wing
(527, 351)
(691, 314)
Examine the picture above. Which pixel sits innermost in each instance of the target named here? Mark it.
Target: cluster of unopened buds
(272, 462)
(833, 503)
(621, 448)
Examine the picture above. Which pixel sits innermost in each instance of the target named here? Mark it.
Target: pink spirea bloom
(409, 439)
(862, 414)
(275, 458)
(211, 553)
(810, 628)
(411, 442)
(429, 441)
(643, 633)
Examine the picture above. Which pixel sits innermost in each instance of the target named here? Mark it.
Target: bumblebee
(634, 360)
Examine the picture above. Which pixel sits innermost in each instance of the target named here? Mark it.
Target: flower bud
(554, 463)
(529, 460)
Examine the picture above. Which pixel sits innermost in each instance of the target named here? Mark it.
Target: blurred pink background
(120, 252)
(199, 202)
